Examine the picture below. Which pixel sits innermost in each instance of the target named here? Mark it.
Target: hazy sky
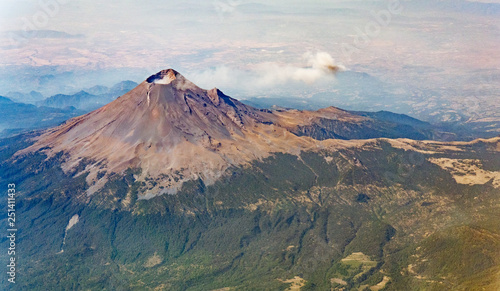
(249, 48)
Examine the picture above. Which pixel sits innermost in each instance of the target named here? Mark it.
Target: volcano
(167, 126)
(174, 131)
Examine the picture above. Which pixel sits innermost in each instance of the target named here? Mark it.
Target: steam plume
(266, 75)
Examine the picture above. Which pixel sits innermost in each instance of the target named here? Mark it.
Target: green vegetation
(341, 222)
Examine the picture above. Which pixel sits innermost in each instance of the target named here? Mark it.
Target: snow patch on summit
(163, 78)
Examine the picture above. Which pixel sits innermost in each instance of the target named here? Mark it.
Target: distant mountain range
(90, 99)
(86, 99)
(36, 113)
(17, 117)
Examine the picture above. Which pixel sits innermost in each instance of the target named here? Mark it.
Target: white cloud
(267, 75)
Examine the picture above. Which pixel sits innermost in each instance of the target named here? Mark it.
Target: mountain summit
(167, 126)
(174, 131)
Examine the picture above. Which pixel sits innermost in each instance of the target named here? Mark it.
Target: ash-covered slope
(174, 131)
(170, 128)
